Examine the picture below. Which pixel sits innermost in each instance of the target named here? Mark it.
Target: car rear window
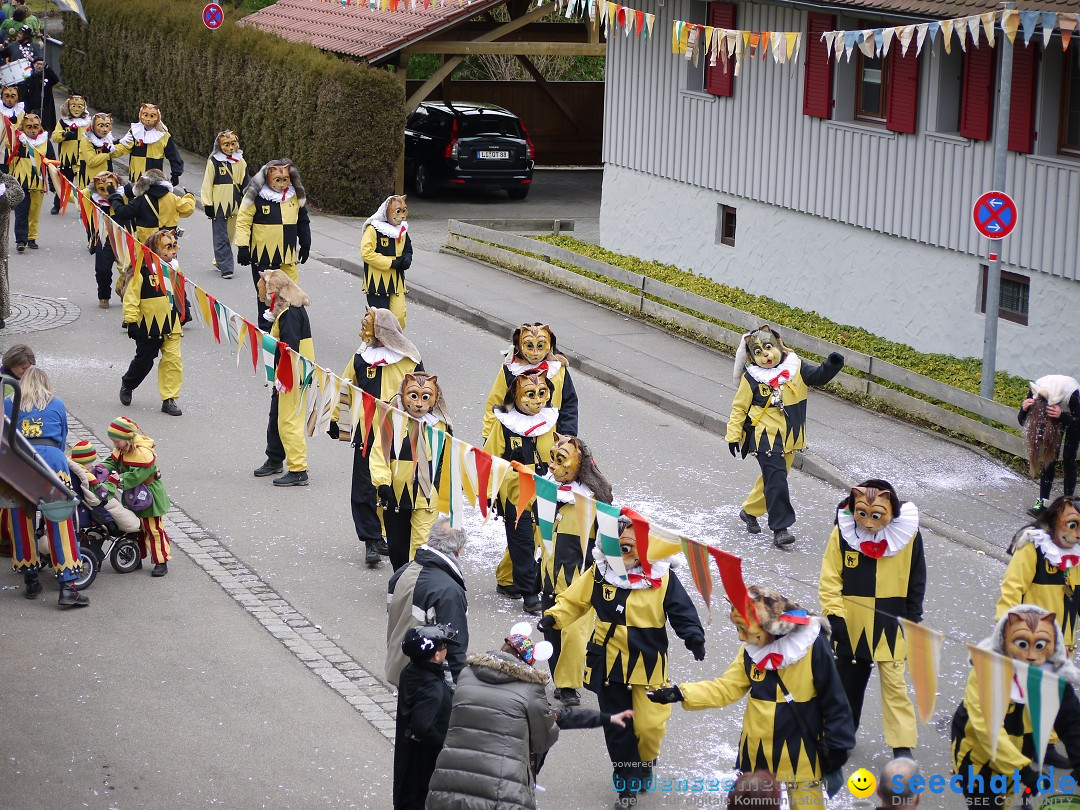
(471, 126)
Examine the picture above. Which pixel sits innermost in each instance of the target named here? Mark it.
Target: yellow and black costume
(970, 736)
(95, 153)
(378, 370)
(68, 136)
(768, 421)
(222, 190)
(387, 253)
(28, 168)
(154, 324)
(867, 583)
(627, 653)
(272, 228)
(1041, 573)
(14, 114)
(104, 257)
(149, 149)
(153, 207)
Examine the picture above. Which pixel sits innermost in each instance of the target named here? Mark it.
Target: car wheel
(421, 181)
(518, 193)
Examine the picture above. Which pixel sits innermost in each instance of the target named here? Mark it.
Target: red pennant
(65, 194)
(483, 478)
(214, 317)
(254, 342)
(639, 19)
(180, 294)
(83, 215)
(730, 568)
(283, 374)
(370, 404)
(133, 255)
(386, 428)
(697, 556)
(641, 539)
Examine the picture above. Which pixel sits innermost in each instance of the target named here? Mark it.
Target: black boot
(531, 604)
(752, 526)
(268, 468)
(371, 554)
(69, 597)
(32, 585)
(382, 547)
(782, 538)
(170, 407)
(901, 753)
(160, 570)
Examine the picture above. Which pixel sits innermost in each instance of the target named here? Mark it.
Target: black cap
(422, 642)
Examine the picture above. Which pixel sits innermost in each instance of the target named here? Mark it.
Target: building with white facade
(847, 187)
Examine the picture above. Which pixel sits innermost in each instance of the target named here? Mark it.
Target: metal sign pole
(993, 276)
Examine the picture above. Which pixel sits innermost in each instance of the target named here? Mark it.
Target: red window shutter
(903, 101)
(1022, 103)
(977, 94)
(718, 81)
(817, 82)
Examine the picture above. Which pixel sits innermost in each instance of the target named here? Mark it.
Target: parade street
(251, 675)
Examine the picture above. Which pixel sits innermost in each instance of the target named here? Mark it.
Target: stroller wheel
(125, 555)
(90, 568)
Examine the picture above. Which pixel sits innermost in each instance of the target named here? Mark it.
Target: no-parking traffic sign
(213, 16)
(994, 215)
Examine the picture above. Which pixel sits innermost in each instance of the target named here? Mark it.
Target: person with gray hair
(429, 590)
(888, 796)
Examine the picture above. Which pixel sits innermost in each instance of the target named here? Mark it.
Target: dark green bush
(341, 122)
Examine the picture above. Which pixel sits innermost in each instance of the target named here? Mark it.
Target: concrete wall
(924, 296)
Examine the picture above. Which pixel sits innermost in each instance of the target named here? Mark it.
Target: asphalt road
(165, 693)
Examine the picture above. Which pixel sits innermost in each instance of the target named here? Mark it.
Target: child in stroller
(102, 518)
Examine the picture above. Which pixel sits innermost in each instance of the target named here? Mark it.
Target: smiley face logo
(862, 783)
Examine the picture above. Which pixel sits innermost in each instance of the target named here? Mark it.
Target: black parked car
(468, 145)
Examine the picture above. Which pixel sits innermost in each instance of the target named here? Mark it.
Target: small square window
(1013, 305)
(725, 225)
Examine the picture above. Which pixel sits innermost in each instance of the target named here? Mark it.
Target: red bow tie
(377, 363)
(783, 376)
(538, 367)
(565, 488)
(654, 583)
(872, 549)
(1069, 560)
(770, 661)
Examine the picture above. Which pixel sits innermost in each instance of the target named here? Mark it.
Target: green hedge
(962, 372)
(341, 122)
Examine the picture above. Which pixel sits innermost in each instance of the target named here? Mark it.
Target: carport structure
(450, 29)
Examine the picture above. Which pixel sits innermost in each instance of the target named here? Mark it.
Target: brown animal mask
(1030, 638)
(101, 124)
(277, 177)
(628, 548)
(164, 244)
(76, 106)
(10, 96)
(531, 392)
(871, 507)
(227, 142)
(419, 394)
(367, 328)
(534, 342)
(149, 116)
(31, 125)
(396, 210)
(103, 181)
(1066, 523)
(765, 348)
(752, 633)
(565, 459)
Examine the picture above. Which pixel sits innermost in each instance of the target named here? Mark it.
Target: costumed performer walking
(387, 253)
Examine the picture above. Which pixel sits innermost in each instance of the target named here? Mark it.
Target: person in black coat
(39, 94)
(423, 712)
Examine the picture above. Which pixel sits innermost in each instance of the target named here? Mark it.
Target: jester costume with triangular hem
(286, 441)
(149, 307)
(149, 149)
(383, 243)
(28, 168)
(68, 135)
(1041, 573)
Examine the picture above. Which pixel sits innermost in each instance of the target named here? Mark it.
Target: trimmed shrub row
(341, 122)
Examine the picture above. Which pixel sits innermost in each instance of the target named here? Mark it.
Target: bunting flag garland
(993, 677)
(1044, 693)
(547, 504)
(451, 497)
(269, 346)
(641, 539)
(607, 538)
(586, 509)
(478, 475)
(730, 568)
(384, 429)
(924, 658)
(697, 557)
(283, 371)
(526, 489)
(364, 400)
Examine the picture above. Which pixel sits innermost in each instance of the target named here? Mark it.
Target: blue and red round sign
(213, 16)
(994, 215)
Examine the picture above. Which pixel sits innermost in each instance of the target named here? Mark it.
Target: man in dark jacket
(429, 590)
(423, 712)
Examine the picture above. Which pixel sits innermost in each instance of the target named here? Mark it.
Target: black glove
(836, 359)
(546, 624)
(406, 262)
(209, 211)
(243, 255)
(71, 134)
(518, 454)
(132, 330)
(833, 759)
(333, 431)
(734, 448)
(840, 638)
(834, 780)
(386, 494)
(303, 254)
(696, 645)
(396, 264)
(175, 180)
(1030, 778)
(666, 694)
(110, 189)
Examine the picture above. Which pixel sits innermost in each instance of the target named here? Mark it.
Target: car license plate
(492, 155)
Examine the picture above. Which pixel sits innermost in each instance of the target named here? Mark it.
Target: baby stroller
(104, 526)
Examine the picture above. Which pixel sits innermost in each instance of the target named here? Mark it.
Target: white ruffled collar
(612, 577)
(12, 112)
(566, 492)
(790, 648)
(896, 535)
(137, 132)
(379, 355)
(517, 369)
(35, 142)
(775, 377)
(386, 229)
(524, 424)
(76, 122)
(99, 142)
(97, 198)
(235, 157)
(1055, 554)
(269, 194)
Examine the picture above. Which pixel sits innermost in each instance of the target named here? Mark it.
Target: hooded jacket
(500, 719)
(429, 590)
(153, 205)
(139, 466)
